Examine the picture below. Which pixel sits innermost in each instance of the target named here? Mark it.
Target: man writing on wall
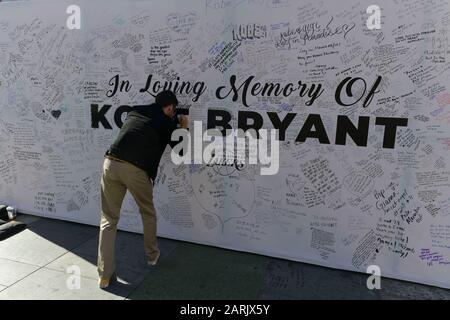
(131, 163)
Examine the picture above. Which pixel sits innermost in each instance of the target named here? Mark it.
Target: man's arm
(182, 122)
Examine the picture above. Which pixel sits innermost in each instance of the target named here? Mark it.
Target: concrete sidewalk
(34, 265)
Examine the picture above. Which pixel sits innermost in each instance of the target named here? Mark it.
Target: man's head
(168, 102)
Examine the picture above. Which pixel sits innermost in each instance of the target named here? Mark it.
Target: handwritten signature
(311, 32)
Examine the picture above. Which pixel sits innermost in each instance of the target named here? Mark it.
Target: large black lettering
(313, 120)
(257, 121)
(358, 134)
(281, 125)
(220, 118)
(99, 116)
(390, 129)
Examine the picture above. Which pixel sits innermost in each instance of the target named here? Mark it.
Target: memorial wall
(362, 113)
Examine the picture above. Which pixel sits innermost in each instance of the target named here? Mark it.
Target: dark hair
(165, 98)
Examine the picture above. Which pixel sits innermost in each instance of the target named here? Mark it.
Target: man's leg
(141, 188)
(112, 193)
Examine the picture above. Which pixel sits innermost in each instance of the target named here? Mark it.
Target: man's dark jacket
(143, 138)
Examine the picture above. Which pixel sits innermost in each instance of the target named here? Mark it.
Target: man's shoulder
(147, 113)
(144, 109)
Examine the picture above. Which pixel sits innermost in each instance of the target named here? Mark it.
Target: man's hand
(184, 121)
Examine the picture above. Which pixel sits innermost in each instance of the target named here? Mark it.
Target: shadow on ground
(38, 263)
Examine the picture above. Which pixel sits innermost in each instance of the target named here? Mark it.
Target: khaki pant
(118, 176)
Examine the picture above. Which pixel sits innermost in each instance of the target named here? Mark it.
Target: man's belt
(109, 155)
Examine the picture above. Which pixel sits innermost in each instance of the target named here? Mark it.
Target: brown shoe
(154, 261)
(104, 282)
